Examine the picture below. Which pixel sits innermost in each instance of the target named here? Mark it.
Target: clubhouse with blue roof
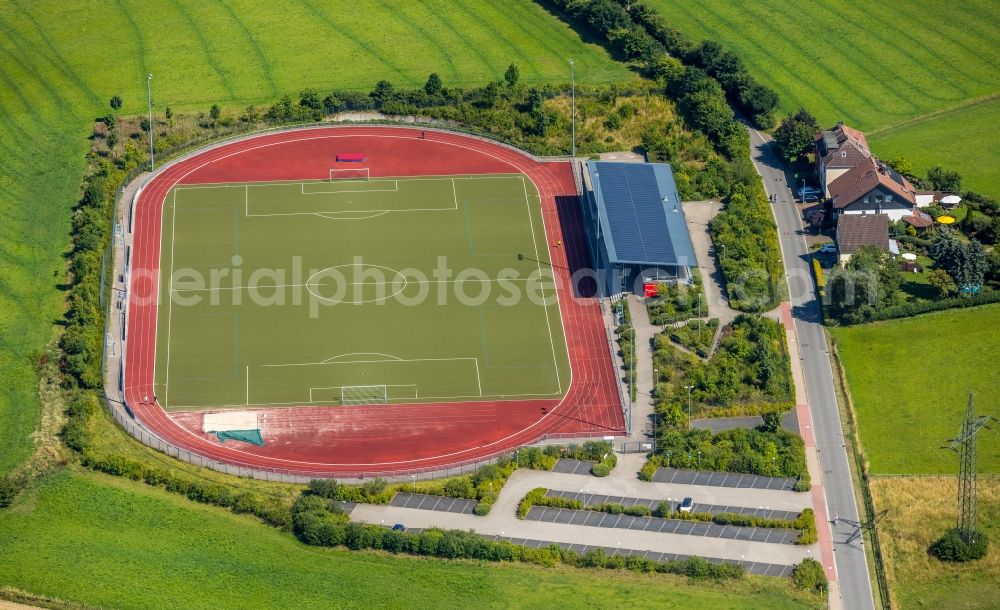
(636, 228)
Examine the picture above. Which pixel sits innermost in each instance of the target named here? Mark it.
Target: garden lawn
(108, 542)
(61, 62)
(874, 67)
(915, 514)
(910, 380)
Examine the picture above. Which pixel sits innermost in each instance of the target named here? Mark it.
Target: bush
(8, 491)
(482, 508)
(600, 470)
(953, 547)
(809, 576)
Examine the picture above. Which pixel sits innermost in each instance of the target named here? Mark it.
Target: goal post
(357, 174)
(364, 395)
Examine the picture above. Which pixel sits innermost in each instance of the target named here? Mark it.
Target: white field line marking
(422, 399)
(386, 178)
(531, 222)
(170, 303)
(389, 356)
(394, 189)
(479, 381)
(341, 387)
(454, 193)
(366, 362)
(415, 283)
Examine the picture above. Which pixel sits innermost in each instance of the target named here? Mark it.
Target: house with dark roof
(636, 228)
(839, 150)
(872, 188)
(856, 230)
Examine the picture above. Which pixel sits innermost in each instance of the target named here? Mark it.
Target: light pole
(149, 102)
(572, 78)
(689, 388)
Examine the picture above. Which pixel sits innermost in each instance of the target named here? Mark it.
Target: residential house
(856, 230)
(839, 150)
(872, 188)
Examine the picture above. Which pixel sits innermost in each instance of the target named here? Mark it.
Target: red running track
(383, 439)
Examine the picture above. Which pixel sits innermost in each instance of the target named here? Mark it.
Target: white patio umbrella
(951, 200)
(909, 256)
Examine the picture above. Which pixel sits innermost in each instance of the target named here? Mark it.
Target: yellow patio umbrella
(946, 220)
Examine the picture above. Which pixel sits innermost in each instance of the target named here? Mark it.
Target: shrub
(325, 488)
(482, 508)
(8, 491)
(809, 576)
(639, 510)
(953, 547)
(600, 470)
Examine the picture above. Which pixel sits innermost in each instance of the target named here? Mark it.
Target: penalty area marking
(416, 390)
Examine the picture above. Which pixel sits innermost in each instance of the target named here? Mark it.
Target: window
(878, 198)
(888, 198)
(843, 154)
(868, 199)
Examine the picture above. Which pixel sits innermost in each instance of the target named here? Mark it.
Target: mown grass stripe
(265, 65)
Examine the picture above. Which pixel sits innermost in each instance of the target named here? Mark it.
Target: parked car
(399, 527)
(809, 190)
(686, 505)
(830, 248)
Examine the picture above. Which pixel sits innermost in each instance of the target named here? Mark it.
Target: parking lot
(589, 518)
(722, 479)
(567, 466)
(438, 503)
(713, 509)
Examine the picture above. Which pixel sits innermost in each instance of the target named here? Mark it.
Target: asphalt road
(852, 568)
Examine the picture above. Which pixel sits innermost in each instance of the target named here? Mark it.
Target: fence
(124, 415)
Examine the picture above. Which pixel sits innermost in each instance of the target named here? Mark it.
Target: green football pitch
(357, 291)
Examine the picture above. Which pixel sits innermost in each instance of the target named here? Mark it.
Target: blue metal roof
(642, 219)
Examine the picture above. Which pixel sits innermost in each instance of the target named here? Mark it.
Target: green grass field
(873, 66)
(357, 291)
(113, 543)
(910, 381)
(962, 138)
(60, 63)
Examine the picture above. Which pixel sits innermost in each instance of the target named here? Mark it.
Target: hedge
(869, 314)
(320, 524)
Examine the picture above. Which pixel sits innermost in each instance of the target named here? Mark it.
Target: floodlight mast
(572, 77)
(149, 102)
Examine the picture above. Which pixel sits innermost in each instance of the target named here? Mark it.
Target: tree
(901, 165)
(169, 113)
(433, 85)
(795, 135)
(116, 103)
(772, 421)
(940, 280)
(215, 112)
(491, 95)
(667, 70)
(880, 262)
(512, 75)
(309, 98)
(944, 180)
(967, 264)
(382, 93)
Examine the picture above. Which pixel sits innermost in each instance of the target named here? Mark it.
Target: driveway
(699, 214)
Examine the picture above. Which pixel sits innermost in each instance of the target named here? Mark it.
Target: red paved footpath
(384, 439)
